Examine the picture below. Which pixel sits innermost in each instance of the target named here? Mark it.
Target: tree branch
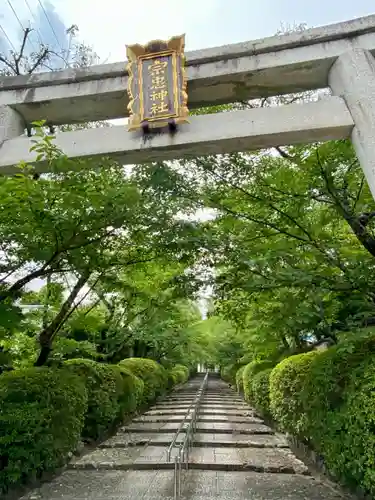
(47, 335)
(284, 154)
(17, 59)
(272, 206)
(7, 63)
(42, 56)
(359, 192)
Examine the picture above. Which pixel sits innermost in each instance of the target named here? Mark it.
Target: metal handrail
(184, 447)
(180, 428)
(187, 414)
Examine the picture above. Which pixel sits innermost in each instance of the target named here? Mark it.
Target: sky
(207, 23)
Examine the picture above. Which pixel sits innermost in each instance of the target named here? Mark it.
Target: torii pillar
(352, 77)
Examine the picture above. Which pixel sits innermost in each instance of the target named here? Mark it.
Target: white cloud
(119, 23)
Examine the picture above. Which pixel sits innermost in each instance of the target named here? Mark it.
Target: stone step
(222, 398)
(222, 401)
(223, 404)
(275, 460)
(222, 428)
(217, 485)
(205, 406)
(201, 418)
(188, 401)
(228, 392)
(237, 413)
(122, 440)
(205, 394)
(186, 404)
(196, 485)
(213, 398)
(259, 459)
(185, 409)
(233, 396)
(235, 457)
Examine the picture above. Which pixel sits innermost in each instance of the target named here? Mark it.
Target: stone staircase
(235, 456)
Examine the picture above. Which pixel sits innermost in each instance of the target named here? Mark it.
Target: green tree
(298, 226)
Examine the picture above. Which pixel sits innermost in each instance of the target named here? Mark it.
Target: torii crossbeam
(338, 56)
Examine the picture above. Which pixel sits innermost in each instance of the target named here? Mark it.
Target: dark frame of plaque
(157, 84)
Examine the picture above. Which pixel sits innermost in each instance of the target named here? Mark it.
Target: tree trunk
(47, 334)
(285, 342)
(362, 233)
(44, 353)
(136, 348)
(140, 349)
(45, 308)
(297, 340)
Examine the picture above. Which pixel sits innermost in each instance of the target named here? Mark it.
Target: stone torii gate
(339, 56)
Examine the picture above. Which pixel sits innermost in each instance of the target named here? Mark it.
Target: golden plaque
(157, 84)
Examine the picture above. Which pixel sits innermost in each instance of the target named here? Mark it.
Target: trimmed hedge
(348, 444)
(41, 418)
(328, 379)
(251, 369)
(261, 392)
(341, 377)
(171, 380)
(154, 376)
(107, 398)
(132, 392)
(327, 399)
(287, 381)
(239, 379)
(179, 374)
(44, 412)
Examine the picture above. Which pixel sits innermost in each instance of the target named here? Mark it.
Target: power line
(35, 21)
(7, 37)
(15, 13)
(19, 21)
(49, 22)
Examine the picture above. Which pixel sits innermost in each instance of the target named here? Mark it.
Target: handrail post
(188, 440)
(179, 474)
(193, 404)
(175, 478)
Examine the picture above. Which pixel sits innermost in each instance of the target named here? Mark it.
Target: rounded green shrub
(41, 418)
(171, 380)
(327, 399)
(154, 376)
(104, 384)
(250, 370)
(180, 374)
(261, 392)
(326, 382)
(339, 402)
(348, 443)
(239, 379)
(132, 392)
(287, 381)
